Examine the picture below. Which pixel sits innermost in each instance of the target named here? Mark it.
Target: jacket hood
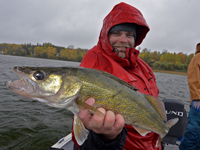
(123, 13)
(197, 49)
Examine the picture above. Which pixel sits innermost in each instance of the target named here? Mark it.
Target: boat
(174, 109)
(64, 143)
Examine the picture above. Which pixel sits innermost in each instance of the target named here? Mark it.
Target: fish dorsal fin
(80, 132)
(158, 106)
(142, 131)
(116, 79)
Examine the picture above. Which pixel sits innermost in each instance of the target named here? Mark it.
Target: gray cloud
(174, 24)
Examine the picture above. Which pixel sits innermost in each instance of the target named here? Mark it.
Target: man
(123, 29)
(191, 138)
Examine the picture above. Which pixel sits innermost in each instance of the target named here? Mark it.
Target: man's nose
(123, 38)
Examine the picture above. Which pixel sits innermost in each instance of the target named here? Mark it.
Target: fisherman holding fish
(123, 29)
(113, 94)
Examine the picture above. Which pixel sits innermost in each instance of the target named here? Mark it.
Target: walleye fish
(69, 87)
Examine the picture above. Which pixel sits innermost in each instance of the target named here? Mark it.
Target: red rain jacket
(131, 69)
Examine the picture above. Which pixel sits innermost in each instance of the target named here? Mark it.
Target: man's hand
(109, 125)
(196, 105)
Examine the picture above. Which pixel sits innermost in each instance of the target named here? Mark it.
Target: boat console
(175, 109)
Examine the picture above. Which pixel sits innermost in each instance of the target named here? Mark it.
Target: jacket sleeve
(96, 142)
(193, 76)
(89, 60)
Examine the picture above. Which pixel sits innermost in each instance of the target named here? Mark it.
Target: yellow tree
(72, 55)
(14, 48)
(38, 51)
(166, 57)
(182, 58)
(155, 56)
(51, 52)
(5, 51)
(63, 53)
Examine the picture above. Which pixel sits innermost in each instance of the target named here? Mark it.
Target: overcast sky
(174, 24)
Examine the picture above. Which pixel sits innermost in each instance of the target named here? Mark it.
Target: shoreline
(154, 70)
(171, 72)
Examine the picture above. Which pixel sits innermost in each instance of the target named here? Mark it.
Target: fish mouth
(23, 86)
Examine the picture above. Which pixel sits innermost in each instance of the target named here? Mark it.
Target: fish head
(48, 85)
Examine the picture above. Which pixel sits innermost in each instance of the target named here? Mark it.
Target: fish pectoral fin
(80, 132)
(90, 108)
(142, 131)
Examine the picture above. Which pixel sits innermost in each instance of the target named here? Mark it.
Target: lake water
(31, 125)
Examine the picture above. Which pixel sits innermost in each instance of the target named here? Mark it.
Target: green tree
(189, 58)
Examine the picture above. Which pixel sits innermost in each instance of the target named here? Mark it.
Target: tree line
(160, 61)
(165, 60)
(45, 50)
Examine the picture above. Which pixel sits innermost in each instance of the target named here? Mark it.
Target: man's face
(120, 40)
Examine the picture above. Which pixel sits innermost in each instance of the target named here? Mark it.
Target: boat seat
(175, 109)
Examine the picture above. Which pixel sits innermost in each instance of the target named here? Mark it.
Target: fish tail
(171, 122)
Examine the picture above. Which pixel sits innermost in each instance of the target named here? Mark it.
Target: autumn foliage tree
(166, 60)
(63, 54)
(51, 52)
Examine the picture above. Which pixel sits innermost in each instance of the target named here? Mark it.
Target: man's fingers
(119, 122)
(90, 101)
(84, 114)
(101, 110)
(110, 125)
(98, 120)
(109, 120)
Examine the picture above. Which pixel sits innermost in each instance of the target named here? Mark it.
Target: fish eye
(39, 75)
